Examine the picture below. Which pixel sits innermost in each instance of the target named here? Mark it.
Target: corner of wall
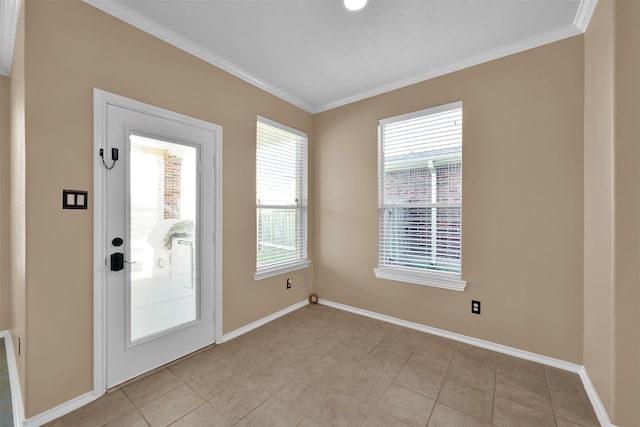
(5, 154)
(599, 170)
(611, 208)
(627, 211)
(17, 234)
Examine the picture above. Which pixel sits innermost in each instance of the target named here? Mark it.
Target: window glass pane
(407, 234)
(421, 190)
(404, 185)
(281, 219)
(277, 239)
(449, 181)
(448, 238)
(277, 166)
(163, 246)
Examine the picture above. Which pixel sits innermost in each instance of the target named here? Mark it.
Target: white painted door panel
(160, 202)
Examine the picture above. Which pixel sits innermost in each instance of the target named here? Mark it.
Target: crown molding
(481, 57)
(147, 25)
(113, 8)
(584, 14)
(9, 10)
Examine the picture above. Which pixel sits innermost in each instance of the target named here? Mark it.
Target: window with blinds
(420, 197)
(281, 199)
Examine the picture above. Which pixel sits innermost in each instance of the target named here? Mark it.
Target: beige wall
(72, 48)
(529, 206)
(5, 154)
(599, 343)
(627, 212)
(612, 206)
(522, 202)
(17, 234)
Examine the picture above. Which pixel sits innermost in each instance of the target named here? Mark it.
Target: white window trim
(299, 264)
(443, 280)
(286, 128)
(414, 114)
(276, 270)
(450, 281)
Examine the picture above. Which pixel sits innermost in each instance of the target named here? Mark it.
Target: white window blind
(420, 194)
(281, 198)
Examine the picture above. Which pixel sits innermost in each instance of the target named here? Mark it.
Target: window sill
(425, 278)
(276, 270)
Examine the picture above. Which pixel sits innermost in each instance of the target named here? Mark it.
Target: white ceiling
(318, 55)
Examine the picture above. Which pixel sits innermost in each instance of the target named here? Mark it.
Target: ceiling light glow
(355, 4)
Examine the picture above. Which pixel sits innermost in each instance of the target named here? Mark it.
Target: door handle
(118, 261)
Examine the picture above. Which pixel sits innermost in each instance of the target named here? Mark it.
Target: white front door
(159, 238)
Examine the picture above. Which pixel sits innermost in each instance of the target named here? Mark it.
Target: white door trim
(100, 101)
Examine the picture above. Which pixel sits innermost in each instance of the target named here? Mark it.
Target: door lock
(118, 261)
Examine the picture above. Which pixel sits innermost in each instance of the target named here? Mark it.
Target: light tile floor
(319, 366)
(6, 407)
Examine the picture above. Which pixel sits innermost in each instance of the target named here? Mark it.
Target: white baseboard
(545, 360)
(598, 407)
(86, 398)
(251, 326)
(60, 410)
(14, 379)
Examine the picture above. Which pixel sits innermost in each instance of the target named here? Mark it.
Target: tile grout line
(273, 395)
(298, 343)
(390, 383)
(156, 397)
(186, 383)
(134, 407)
(553, 411)
(526, 404)
(251, 411)
(495, 390)
(341, 341)
(444, 378)
(190, 412)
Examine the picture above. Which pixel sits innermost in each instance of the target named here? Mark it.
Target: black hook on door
(114, 158)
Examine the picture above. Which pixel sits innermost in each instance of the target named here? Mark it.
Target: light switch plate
(75, 199)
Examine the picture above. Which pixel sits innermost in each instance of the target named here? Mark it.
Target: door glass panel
(163, 246)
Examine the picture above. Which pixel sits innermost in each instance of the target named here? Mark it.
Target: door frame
(100, 101)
